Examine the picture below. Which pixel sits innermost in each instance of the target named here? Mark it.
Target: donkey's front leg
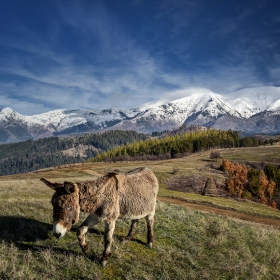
(90, 221)
(108, 240)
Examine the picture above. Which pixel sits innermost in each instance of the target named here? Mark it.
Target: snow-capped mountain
(195, 109)
(16, 127)
(274, 107)
(251, 111)
(251, 101)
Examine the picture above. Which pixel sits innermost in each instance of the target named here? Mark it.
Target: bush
(215, 155)
(248, 183)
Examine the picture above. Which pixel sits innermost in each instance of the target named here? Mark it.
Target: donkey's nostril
(57, 235)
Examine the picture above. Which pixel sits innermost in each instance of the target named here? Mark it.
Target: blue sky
(88, 54)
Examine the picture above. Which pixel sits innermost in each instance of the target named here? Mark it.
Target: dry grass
(189, 244)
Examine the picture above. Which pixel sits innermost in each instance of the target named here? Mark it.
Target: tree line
(178, 145)
(115, 145)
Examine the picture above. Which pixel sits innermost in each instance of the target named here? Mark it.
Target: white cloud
(112, 69)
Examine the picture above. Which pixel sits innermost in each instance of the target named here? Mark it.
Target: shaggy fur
(111, 197)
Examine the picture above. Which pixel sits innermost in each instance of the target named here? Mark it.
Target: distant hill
(31, 155)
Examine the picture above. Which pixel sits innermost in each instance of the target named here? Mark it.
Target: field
(193, 238)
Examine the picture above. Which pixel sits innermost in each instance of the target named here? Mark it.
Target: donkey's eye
(69, 208)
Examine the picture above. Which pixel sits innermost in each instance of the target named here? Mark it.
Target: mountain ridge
(260, 114)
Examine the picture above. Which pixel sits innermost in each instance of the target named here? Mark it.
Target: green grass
(189, 244)
(260, 154)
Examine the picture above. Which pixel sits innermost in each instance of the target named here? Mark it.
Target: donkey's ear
(54, 186)
(69, 187)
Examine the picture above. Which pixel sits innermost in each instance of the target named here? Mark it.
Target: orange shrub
(252, 183)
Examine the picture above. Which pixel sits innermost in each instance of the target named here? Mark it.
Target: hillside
(190, 244)
(54, 151)
(118, 145)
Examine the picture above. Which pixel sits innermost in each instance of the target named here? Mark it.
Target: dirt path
(229, 213)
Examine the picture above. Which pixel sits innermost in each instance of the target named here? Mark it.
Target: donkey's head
(66, 208)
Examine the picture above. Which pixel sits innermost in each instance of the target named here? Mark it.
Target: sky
(90, 54)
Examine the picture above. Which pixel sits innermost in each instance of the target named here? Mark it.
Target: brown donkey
(114, 196)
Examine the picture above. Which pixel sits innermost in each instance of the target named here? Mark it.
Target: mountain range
(249, 111)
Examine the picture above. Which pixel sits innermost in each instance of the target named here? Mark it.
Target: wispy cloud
(89, 57)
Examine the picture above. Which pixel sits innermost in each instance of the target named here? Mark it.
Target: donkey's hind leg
(108, 240)
(132, 230)
(90, 221)
(150, 229)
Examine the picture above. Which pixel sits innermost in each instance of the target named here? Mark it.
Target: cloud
(90, 57)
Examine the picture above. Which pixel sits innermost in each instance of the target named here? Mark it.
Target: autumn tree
(248, 183)
(237, 177)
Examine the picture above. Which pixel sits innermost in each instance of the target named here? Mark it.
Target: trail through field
(225, 212)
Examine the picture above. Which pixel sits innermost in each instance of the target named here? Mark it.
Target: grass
(189, 244)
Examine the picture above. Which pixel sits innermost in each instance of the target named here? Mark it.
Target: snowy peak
(211, 103)
(251, 101)
(254, 109)
(8, 114)
(193, 110)
(274, 107)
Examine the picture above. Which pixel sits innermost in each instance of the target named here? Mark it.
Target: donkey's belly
(132, 216)
(131, 209)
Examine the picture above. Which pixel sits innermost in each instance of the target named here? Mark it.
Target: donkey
(130, 195)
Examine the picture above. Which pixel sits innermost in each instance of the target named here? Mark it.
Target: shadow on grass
(23, 231)
(15, 229)
(123, 239)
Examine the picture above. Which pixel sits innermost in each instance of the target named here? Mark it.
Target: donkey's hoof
(104, 262)
(104, 259)
(85, 249)
(150, 245)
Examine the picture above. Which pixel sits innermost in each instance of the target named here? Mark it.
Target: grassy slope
(189, 244)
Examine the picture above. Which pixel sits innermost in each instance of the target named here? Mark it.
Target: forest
(31, 155)
(178, 145)
(116, 145)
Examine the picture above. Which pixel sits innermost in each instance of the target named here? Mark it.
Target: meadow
(189, 243)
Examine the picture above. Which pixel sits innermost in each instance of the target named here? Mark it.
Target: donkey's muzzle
(57, 234)
(59, 230)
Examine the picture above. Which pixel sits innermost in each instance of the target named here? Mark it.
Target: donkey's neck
(90, 197)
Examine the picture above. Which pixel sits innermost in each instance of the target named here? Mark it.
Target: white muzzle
(59, 230)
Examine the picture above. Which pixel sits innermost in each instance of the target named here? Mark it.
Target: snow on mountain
(193, 109)
(250, 101)
(9, 114)
(254, 109)
(52, 117)
(274, 107)
(63, 119)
